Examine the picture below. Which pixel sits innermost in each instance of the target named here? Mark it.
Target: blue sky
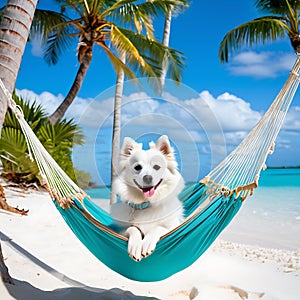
(241, 91)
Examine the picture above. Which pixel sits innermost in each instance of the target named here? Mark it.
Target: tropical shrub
(58, 139)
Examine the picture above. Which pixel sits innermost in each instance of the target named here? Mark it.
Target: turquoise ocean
(270, 218)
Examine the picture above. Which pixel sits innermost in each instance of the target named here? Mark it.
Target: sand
(47, 261)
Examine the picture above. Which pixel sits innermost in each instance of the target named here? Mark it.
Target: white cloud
(263, 64)
(251, 58)
(235, 137)
(292, 120)
(202, 119)
(233, 113)
(50, 102)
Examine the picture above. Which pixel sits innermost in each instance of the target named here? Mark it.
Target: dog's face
(148, 173)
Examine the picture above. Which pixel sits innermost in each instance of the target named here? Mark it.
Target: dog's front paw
(134, 243)
(148, 246)
(135, 250)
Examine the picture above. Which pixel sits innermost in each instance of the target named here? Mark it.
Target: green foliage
(57, 139)
(126, 25)
(282, 21)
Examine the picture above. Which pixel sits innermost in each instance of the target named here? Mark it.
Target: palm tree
(14, 30)
(282, 20)
(99, 22)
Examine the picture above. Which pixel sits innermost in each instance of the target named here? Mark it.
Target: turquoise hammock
(173, 253)
(209, 204)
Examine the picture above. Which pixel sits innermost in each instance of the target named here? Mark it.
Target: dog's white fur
(151, 177)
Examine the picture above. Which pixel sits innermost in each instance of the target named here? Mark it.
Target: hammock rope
(235, 170)
(209, 204)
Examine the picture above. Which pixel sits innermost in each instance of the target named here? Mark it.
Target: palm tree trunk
(165, 42)
(81, 73)
(14, 31)
(116, 129)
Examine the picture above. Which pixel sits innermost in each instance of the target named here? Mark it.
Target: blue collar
(139, 206)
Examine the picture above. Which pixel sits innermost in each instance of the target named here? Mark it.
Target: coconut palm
(14, 30)
(282, 20)
(107, 24)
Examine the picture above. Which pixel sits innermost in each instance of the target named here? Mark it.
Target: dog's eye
(138, 167)
(156, 167)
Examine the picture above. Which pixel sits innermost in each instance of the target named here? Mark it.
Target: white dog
(148, 185)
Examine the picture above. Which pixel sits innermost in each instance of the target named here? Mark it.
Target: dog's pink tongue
(149, 192)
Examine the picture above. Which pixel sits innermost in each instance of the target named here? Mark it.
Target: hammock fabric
(209, 204)
(173, 253)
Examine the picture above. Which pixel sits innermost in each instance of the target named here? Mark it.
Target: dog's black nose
(147, 179)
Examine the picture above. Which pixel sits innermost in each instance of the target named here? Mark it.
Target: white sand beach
(47, 261)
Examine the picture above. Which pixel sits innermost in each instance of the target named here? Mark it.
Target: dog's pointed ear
(163, 145)
(128, 146)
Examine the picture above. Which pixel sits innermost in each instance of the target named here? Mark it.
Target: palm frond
(130, 14)
(54, 30)
(141, 14)
(65, 131)
(76, 5)
(33, 112)
(156, 7)
(69, 131)
(98, 6)
(288, 9)
(13, 141)
(153, 53)
(259, 30)
(14, 156)
(123, 43)
(117, 4)
(279, 7)
(44, 21)
(59, 140)
(117, 64)
(58, 41)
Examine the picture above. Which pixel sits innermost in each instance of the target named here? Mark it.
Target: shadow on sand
(22, 290)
